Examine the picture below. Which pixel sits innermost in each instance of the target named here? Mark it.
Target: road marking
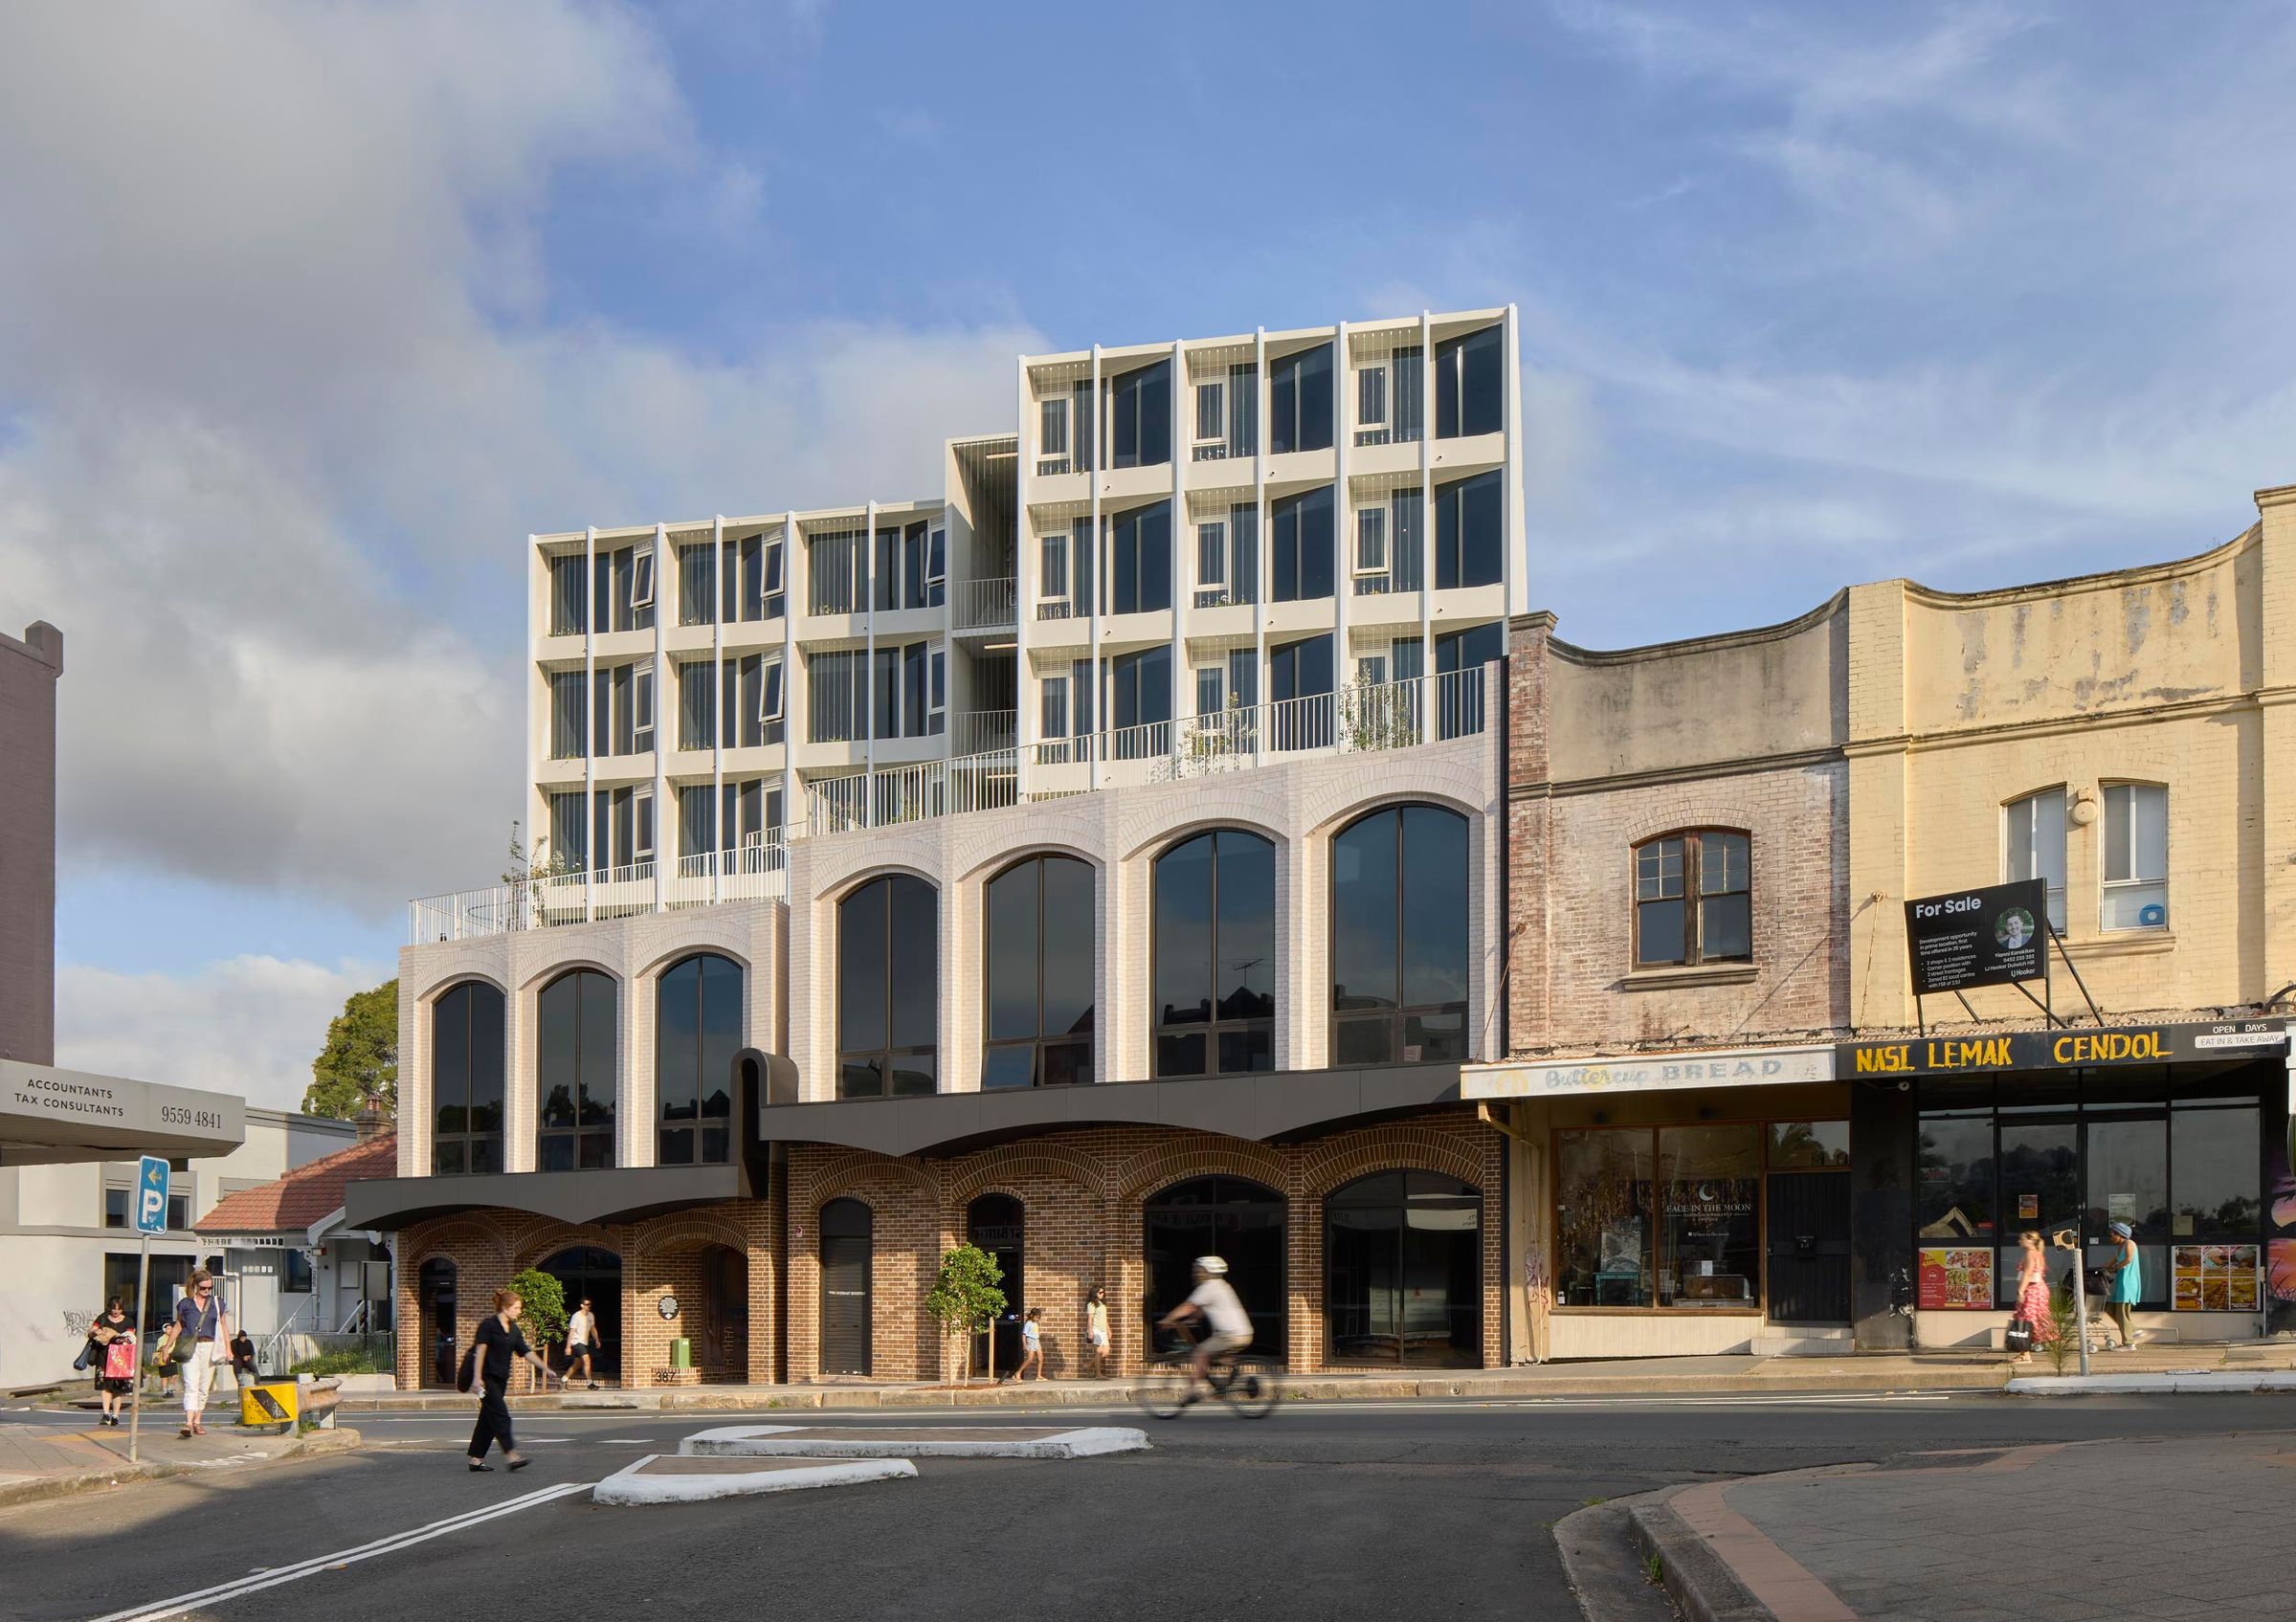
(255, 1583)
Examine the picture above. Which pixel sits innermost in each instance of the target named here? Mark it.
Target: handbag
(466, 1373)
(87, 1355)
(2018, 1336)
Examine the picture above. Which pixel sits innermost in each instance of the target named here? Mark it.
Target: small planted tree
(544, 1320)
(965, 1299)
(2065, 1327)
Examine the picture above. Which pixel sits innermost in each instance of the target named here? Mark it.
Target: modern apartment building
(1178, 537)
(1099, 861)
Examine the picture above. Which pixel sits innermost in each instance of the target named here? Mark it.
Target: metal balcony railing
(1364, 719)
(984, 605)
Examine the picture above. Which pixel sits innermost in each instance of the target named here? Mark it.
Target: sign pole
(135, 1406)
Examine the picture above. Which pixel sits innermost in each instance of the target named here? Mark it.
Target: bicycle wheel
(1163, 1390)
(1256, 1390)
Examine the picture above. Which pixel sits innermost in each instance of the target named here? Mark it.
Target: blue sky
(317, 309)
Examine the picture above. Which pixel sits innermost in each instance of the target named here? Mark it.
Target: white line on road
(398, 1540)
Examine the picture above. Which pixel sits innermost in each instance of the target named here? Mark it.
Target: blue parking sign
(151, 1195)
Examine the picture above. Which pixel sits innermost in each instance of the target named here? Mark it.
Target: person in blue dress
(2123, 1281)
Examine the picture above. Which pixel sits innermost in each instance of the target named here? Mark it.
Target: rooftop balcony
(1358, 719)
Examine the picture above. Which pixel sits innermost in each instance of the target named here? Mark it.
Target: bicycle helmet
(1211, 1267)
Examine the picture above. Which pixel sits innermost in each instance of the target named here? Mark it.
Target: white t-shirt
(1218, 1301)
(577, 1330)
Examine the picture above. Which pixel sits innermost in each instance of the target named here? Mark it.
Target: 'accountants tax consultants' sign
(2066, 1049)
(1993, 935)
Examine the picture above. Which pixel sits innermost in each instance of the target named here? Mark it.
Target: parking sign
(151, 1195)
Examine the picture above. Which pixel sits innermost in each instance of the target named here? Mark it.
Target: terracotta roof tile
(306, 1195)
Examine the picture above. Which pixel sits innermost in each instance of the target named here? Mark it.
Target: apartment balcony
(985, 608)
(982, 732)
(1359, 719)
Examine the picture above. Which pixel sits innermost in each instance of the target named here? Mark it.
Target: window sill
(1697, 974)
(2123, 944)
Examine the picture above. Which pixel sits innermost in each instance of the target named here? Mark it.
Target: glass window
(576, 1073)
(2136, 856)
(115, 1207)
(697, 1032)
(1040, 952)
(888, 988)
(1370, 396)
(1052, 427)
(1399, 972)
(466, 1079)
(1795, 1143)
(1053, 698)
(1209, 683)
(2039, 1173)
(1469, 532)
(1140, 417)
(1300, 538)
(1299, 401)
(1211, 416)
(1709, 1216)
(1694, 899)
(1211, 554)
(1954, 1198)
(1604, 1185)
(2127, 1175)
(1403, 1271)
(1214, 948)
(2214, 1155)
(1370, 541)
(2033, 845)
(1469, 389)
(1140, 559)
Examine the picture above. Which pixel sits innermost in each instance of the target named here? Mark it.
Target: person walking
(2123, 1283)
(1031, 1348)
(201, 1321)
(581, 1340)
(1096, 1331)
(114, 1337)
(499, 1341)
(2033, 1293)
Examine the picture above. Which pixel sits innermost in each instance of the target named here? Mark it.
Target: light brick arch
(671, 956)
(486, 968)
(1423, 794)
(853, 1170)
(536, 983)
(986, 871)
(1001, 1170)
(1155, 843)
(833, 894)
(1145, 1176)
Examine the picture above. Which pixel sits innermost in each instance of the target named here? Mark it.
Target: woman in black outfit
(110, 1325)
(498, 1340)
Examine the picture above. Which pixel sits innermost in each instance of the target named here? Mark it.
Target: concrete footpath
(1957, 1370)
(50, 1460)
(2171, 1529)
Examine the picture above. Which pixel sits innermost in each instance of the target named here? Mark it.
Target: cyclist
(1213, 1300)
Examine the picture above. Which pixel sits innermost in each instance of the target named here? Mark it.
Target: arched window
(1694, 899)
(1400, 937)
(888, 988)
(588, 1274)
(466, 1079)
(576, 1072)
(1240, 1221)
(1039, 953)
(696, 1031)
(1216, 955)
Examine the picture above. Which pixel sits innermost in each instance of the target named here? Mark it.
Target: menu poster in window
(2279, 1255)
(2214, 1278)
(1622, 1247)
(1954, 1278)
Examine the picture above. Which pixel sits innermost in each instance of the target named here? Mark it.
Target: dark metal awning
(1262, 1108)
(622, 1195)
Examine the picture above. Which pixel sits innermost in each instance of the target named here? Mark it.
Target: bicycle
(1248, 1383)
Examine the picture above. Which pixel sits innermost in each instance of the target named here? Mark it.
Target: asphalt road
(1355, 1509)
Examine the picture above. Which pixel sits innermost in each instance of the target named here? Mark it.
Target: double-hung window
(2136, 856)
(1052, 436)
(641, 705)
(2033, 845)
(1370, 404)
(1371, 542)
(1052, 577)
(1052, 697)
(1211, 563)
(1694, 898)
(1210, 698)
(1211, 421)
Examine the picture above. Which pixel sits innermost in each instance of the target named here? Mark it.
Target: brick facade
(1082, 1195)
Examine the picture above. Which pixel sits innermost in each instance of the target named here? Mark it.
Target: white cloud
(247, 1026)
(282, 345)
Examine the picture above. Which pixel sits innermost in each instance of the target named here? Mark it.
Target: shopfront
(1964, 1142)
(1683, 1203)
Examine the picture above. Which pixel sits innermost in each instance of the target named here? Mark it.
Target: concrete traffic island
(1019, 1441)
(674, 1478)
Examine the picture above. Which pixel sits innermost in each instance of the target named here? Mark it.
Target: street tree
(359, 1065)
(966, 1300)
(545, 1319)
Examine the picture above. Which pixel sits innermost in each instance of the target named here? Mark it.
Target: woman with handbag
(499, 1341)
(2032, 1299)
(113, 1337)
